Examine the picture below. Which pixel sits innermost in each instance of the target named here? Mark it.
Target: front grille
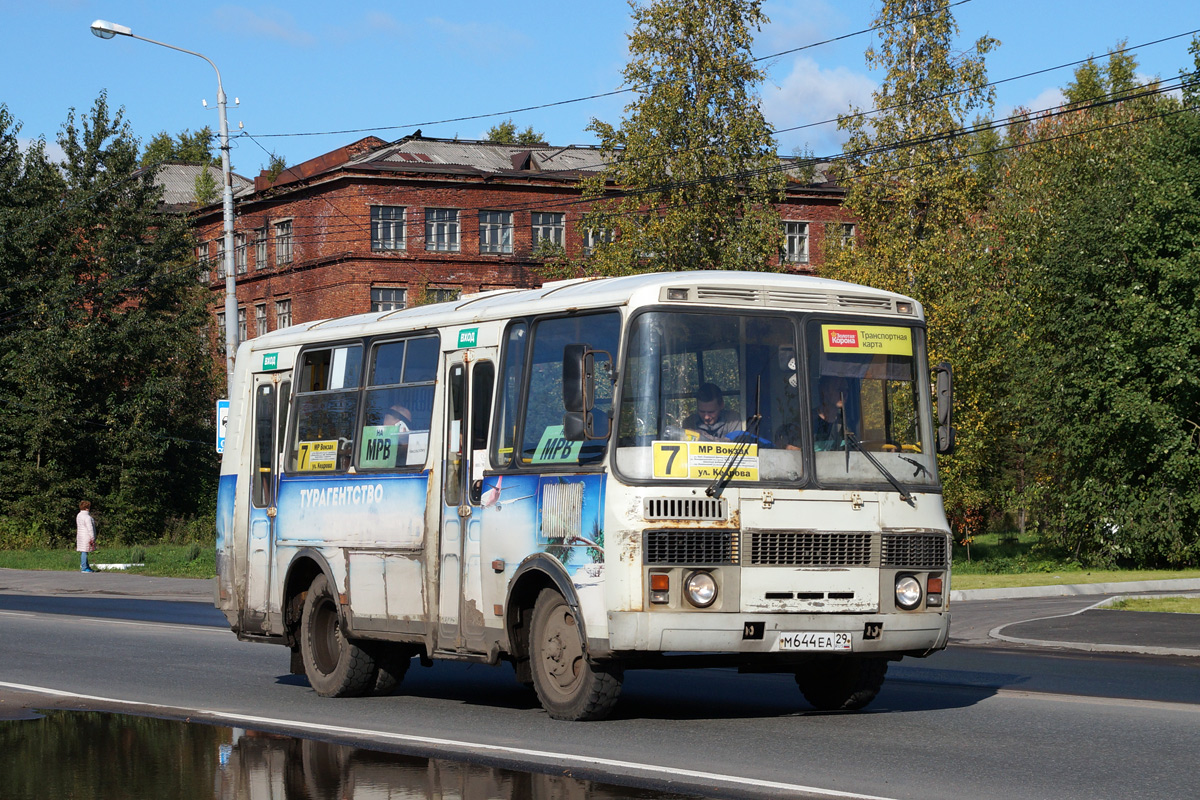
(689, 508)
(916, 550)
(810, 548)
(691, 548)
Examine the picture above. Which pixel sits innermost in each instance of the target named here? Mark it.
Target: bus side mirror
(944, 395)
(580, 422)
(579, 378)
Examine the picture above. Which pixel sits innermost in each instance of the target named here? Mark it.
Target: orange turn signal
(660, 582)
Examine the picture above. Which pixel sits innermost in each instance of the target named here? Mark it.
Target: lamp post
(107, 30)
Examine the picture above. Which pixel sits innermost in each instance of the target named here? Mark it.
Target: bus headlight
(700, 588)
(908, 592)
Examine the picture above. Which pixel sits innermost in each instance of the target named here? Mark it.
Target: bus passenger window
(399, 404)
(326, 408)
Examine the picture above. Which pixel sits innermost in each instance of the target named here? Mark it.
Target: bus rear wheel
(841, 684)
(568, 686)
(335, 665)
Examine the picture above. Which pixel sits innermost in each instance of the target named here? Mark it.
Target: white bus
(671, 470)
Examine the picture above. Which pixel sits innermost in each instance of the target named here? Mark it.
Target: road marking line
(538, 756)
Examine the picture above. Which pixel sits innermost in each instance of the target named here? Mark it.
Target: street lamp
(107, 30)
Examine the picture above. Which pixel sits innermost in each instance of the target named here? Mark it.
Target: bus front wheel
(567, 685)
(842, 684)
(335, 665)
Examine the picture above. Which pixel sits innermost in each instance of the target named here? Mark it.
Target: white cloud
(479, 39)
(273, 23)
(810, 94)
(54, 153)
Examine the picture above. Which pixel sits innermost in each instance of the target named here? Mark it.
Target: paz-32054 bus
(685, 469)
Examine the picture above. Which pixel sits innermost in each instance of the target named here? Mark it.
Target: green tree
(107, 377)
(206, 188)
(693, 170)
(916, 190)
(1099, 216)
(188, 147)
(506, 133)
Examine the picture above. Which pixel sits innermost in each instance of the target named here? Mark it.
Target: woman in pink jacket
(85, 535)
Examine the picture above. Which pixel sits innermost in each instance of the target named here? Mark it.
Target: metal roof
(485, 157)
(179, 182)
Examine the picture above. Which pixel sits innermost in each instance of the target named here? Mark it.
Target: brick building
(376, 226)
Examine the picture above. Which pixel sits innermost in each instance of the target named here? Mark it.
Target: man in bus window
(711, 418)
(827, 424)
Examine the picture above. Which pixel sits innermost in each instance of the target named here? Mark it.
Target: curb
(1092, 647)
(1076, 589)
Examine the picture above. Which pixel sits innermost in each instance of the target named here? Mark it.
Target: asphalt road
(974, 721)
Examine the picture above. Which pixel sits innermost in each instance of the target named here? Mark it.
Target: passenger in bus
(711, 418)
(827, 422)
(398, 416)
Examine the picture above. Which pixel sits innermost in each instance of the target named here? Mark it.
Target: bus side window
(483, 380)
(264, 442)
(454, 435)
(326, 409)
(511, 380)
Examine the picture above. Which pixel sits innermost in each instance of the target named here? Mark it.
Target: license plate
(814, 641)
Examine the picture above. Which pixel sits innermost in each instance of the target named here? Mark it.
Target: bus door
(470, 377)
(271, 397)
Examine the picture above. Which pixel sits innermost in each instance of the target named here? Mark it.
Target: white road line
(538, 756)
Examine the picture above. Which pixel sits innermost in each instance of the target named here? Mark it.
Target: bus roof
(698, 288)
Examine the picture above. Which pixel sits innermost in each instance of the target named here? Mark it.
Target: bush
(16, 534)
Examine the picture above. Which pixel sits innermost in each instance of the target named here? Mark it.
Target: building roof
(178, 180)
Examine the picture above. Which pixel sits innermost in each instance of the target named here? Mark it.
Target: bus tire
(567, 685)
(842, 684)
(335, 665)
(392, 663)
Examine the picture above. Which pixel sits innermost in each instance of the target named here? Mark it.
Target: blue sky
(306, 67)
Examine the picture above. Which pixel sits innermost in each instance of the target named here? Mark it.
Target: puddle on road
(87, 755)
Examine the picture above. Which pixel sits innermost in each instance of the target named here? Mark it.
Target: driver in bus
(711, 419)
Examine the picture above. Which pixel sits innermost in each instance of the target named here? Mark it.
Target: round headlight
(700, 589)
(908, 592)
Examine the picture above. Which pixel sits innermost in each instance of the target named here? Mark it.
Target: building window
(239, 253)
(594, 237)
(283, 313)
(260, 319)
(260, 248)
(388, 299)
(442, 295)
(387, 227)
(495, 231)
(841, 232)
(283, 242)
(441, 230)
(204, 261)
(241, 324)
(795, 242)
(221, 259)
(548, 227)
(221, 331)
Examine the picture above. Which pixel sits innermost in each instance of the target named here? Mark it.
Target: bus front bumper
(916, 633)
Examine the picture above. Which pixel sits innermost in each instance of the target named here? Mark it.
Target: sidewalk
(1080, 626)
(105, 584)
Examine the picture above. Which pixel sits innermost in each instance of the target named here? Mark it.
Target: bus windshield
(706, 393)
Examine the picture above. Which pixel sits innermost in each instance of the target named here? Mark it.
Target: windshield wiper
(748, 437)
(852, 440)
(727, 470)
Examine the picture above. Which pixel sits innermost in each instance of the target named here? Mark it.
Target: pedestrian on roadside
(85, 535)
